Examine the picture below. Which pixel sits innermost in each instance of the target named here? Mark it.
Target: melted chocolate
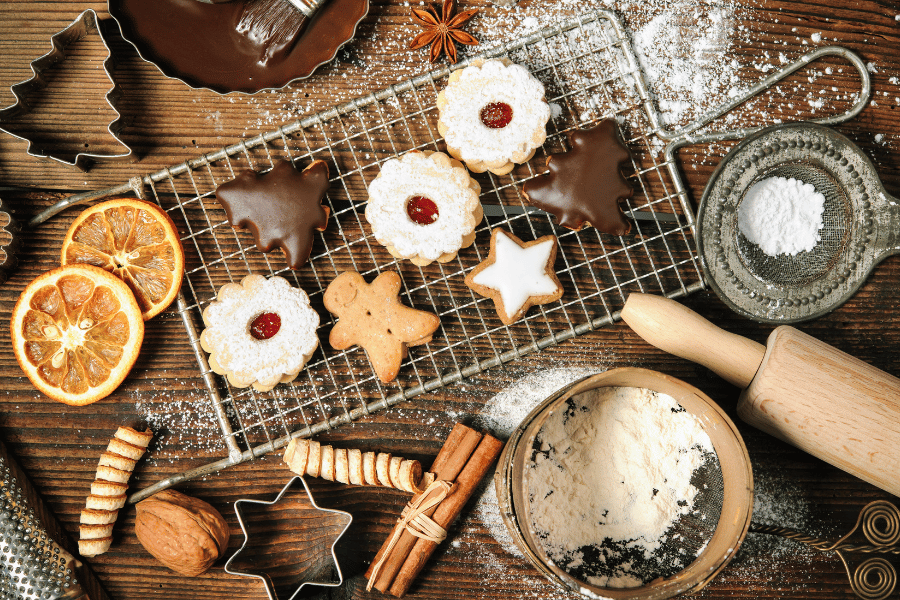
(584, 185)
(199, 43)
(280, 208)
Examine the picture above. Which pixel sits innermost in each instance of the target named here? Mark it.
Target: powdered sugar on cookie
(237, 352)
(493, 115)
(434, 190)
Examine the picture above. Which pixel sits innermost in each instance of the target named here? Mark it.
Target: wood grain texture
(58, 446)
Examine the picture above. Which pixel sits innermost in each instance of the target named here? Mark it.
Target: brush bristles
(271, 22)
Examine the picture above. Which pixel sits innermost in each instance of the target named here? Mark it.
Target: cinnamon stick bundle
(464, 459)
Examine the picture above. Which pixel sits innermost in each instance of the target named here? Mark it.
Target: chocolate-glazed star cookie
(585, 184)
(280, 208)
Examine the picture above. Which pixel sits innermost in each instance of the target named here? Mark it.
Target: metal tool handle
(682, 137)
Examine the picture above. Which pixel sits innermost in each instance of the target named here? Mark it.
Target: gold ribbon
(414, 520)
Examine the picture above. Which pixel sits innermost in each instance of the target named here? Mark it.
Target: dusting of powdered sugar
(782, 216)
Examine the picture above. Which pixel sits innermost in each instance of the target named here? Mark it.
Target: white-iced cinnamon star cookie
(493, 115)
(517, 275)
(424, 206)
(260, 332)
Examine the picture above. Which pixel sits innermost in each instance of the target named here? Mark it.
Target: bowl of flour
(616, 486)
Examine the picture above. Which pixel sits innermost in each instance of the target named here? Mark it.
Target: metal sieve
(702, 540)
(860, 225)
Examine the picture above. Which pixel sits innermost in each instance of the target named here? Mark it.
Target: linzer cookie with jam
(584, 185)
(260, 332)
(493, 115)
(424, 206)
(281, 208)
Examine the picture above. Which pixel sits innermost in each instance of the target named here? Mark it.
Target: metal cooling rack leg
(234, 452)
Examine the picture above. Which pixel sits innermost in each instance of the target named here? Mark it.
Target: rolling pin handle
(678, 330)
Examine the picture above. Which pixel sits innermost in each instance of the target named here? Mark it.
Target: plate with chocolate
(202, 43)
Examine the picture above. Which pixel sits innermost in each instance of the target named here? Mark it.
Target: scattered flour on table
(782, 216)
(614, 464)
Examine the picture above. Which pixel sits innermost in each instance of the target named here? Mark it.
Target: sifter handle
(678, 330)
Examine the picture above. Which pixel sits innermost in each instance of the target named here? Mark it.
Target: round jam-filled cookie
(493, 115)
(424, 206)
(260, 332)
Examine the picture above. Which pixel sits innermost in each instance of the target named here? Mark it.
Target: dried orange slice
(136, 241)
(76, 332)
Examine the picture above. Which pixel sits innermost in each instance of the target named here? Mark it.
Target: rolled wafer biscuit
(341, 466)
(108, 491)
(308, 457)
(369, 468)
(315, 459)
(394, 471)
(327, 469)
(383, 469)
(410, 475)
(355, 460)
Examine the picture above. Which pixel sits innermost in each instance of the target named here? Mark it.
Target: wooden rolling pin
(797, 388)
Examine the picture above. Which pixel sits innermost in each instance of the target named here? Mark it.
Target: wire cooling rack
(590, 73)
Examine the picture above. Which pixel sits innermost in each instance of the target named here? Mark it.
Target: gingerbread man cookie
(371, 316)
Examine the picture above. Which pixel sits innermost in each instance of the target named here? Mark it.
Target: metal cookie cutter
(84, 25)
(289, 542)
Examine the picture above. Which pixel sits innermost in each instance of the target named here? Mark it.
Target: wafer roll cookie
(410, 475)
(98, 517)
(125, 449)
(315, 459)
(383, 469)
(105, 502)
(394, 471)
(327, 469)
(117, 461)
(94, 547)
(341, 466)
(95, 532)
(355, 464)
(102, 487)
(108, 491)
(296, 455)
(369, 474)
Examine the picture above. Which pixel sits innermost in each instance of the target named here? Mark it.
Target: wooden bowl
(737, 500)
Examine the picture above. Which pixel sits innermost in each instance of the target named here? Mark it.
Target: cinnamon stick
(447, 511)
(451, 459)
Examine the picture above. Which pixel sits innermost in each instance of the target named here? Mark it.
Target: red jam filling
(422, 210)
(496, 115)
(265, 326)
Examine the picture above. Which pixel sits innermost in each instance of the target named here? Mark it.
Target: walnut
(183, 533)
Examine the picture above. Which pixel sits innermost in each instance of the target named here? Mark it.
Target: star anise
(442, 33)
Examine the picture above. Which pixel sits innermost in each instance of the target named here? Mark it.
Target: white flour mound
(782, 216)
(614, 463)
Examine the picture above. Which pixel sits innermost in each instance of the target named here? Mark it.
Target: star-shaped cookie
(371, 316)
(585, 184)
(517, 275)
(305, 538)
(281, 208)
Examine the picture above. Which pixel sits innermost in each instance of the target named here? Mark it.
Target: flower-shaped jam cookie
(424, 207)
(493, 115)
(260, 332)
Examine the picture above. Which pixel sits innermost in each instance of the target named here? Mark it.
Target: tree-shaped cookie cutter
(86, 24)
(875, 578)
(272, 551)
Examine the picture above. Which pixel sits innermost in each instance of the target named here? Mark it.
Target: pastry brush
(276, 24)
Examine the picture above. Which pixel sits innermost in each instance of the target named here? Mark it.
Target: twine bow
(414, 520)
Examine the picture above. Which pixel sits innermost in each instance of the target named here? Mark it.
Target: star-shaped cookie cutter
(263, 522)
(86, 24)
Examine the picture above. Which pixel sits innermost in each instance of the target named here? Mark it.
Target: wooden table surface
(168, 122)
